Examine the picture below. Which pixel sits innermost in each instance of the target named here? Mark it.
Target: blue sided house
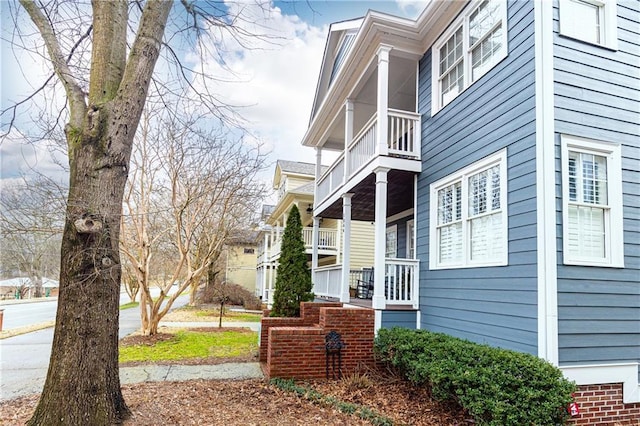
(495, 147)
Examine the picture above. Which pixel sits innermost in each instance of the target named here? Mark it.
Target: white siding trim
(627, 374)
(401, 215)
(545, 185)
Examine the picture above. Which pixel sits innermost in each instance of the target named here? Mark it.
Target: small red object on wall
(573, 409)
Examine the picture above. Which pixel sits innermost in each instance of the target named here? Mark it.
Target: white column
(380, 233)
(346, 253)
(318, 172)
(272, 272)
(265, 267)
(314, 247)
(383, 99)
(348, 137)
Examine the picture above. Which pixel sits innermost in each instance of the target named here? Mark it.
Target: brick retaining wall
(602, 405)
(295, 347)
(309, 316)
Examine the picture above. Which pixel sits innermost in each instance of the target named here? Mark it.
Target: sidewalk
(176, 373)
(33, 300)
(254, 326)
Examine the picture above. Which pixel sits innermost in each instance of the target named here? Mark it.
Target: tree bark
(83, 384)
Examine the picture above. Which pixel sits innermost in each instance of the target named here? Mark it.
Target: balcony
(403, 143)
(328, 242)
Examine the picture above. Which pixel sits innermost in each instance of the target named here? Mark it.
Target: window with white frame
(391, 247)
(592, 202)
(468, 216)
(474, 44)
(593, 21)
(411, 240)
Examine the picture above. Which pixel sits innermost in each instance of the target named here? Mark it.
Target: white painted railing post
(265, 265)
(346, 256)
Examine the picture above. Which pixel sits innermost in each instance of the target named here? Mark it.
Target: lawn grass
(129, 305)
(190, 344)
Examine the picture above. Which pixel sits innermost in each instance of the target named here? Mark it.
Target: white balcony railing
(327, 238)
(363, 147)
(404, 134)
(403, 140)
(332, 179)
(327, 281)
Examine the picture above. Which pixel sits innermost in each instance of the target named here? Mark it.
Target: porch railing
(401, 281)
(327, 281)
(403, 140)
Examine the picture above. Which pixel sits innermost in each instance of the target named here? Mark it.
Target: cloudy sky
(276, 81)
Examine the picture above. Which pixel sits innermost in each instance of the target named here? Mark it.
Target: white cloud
(20, 157)
(412, 8)
(276, 77)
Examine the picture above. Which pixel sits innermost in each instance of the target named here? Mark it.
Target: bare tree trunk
(84, 359)
(83, 384)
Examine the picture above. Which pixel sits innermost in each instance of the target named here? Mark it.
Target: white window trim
(410, 237)
(608, 34)
(614, 244)
(391, 229)
(462, 20)
(498, 158)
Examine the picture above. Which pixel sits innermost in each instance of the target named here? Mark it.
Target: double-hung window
(474, 44)
(592, 21)
(468, 216)
(592, 202)
(391, 246)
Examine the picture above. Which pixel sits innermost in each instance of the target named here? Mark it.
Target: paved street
(18, 314)
(24, 359)
(23, 314)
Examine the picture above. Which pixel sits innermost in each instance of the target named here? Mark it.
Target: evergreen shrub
(495, 386)
(293, 277)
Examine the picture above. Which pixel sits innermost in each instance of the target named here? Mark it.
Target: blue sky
(276, 83)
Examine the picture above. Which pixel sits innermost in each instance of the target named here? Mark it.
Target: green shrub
(496, 386)
(293, 277)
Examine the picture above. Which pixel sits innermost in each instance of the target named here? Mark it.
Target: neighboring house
(495, 145)
(294, 183)
(240, 261)
(10, 288)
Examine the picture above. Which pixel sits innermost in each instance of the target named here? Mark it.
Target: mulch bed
(255, 402)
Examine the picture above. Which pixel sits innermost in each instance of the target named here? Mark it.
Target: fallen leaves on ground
(255, 402)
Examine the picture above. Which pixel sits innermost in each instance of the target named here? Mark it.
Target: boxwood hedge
(496, 386)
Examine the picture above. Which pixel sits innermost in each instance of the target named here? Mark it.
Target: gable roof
(297, 167)
(336, 49)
